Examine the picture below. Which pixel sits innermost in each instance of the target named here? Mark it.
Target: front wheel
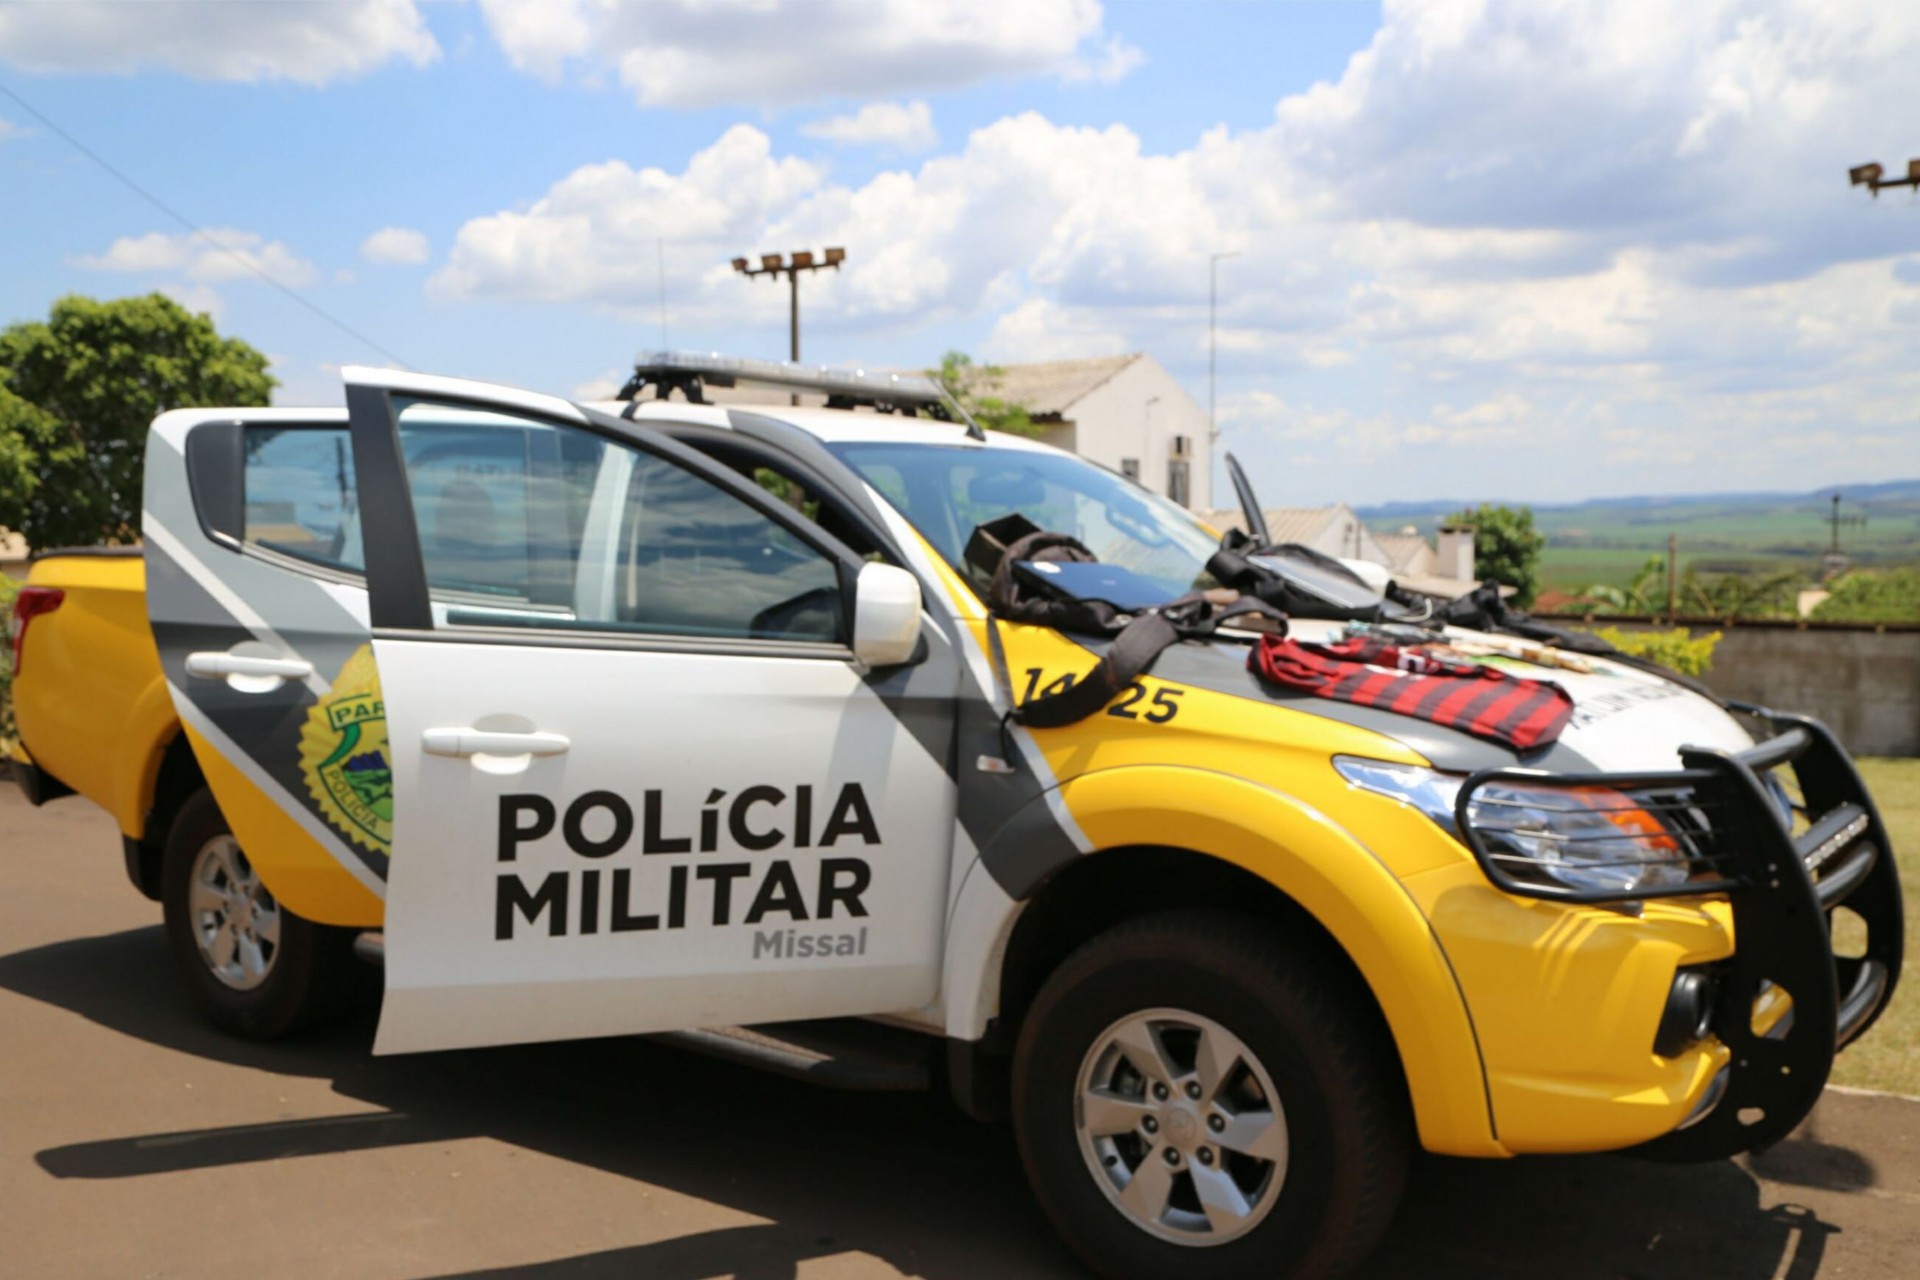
(253, 968)
(1195, 1099)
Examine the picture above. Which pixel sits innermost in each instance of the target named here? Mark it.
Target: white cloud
(304, 41)
(903, 126)
(595, 236)
(218, 256)
(602, 386)
(1038, 329)
(9, 130)
(703, 53)
(1110, 60)
(197, 298)
(1512, 226)
(395, 246)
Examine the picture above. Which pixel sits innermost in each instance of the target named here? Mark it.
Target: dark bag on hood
(1138, 638)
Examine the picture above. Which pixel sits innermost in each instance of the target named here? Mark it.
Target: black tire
(313, 972)
(1345, 1107)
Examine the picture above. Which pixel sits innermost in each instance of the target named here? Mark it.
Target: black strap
(1126, 659)
(1133, 651)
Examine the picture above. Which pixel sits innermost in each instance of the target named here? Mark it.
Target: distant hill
(1605, 539)
(1898, 492)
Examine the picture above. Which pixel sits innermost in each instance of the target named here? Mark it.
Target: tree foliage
(1726, 596)
(8, 590)
(969, 384)
(1865, 595)
(1506, 547)
(1733, 596)
(77, 392)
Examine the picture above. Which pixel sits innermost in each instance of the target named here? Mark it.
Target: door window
(300, 498)
(529, 523)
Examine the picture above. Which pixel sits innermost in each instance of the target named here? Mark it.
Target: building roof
(1284, 524)
(1404, 550)
(1051, 387)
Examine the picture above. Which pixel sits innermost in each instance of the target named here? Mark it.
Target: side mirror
(886, 615)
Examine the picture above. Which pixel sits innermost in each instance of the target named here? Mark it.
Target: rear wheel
(254, 968)
(1195, 1099)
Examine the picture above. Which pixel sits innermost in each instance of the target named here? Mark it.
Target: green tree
(967, 383)
(1506, 547)
(77, 392)
(1646, 593)
(1873, 596)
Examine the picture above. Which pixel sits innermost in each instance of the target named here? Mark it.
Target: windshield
(946, 490)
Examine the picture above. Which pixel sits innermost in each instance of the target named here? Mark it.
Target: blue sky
(1539, 251)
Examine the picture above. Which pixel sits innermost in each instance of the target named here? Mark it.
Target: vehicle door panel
(734, 825)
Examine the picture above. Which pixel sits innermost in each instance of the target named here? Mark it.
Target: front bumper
(1782, 883)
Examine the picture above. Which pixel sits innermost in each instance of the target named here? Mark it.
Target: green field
(1607, 540)
(1594, 544)
(1573, 569)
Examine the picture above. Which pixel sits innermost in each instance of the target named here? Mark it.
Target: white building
(1123, 412)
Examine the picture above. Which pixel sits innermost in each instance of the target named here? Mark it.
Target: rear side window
(300, 498)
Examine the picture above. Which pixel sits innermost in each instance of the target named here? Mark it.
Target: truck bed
(89, 699)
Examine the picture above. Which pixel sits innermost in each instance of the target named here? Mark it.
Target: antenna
(660, 250)
(1836, 561)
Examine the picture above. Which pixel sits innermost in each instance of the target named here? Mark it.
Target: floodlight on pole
(773, 264)
(1873, 177)
(1213, 307)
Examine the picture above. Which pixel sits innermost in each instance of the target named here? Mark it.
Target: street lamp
(1213, 307)
(772, 265)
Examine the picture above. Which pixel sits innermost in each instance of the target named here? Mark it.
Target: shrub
(1868, 596)
(8, 590)
(1674, 649)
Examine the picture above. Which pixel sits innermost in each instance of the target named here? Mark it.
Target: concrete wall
(1135, 414)
(1865, 683)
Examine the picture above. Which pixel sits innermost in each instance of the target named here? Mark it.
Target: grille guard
(1782, 889)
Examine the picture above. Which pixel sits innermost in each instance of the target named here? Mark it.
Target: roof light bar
(844, 388)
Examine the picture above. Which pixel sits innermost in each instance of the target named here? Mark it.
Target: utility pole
(771, 264)
(1673, 576)
(1213, 308)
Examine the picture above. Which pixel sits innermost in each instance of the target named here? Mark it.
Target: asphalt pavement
(137, 1142)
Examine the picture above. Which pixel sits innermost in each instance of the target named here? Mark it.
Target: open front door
(640, 783)
(259, 610)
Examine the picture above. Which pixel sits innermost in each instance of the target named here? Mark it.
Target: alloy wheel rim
(235, 920)
(1181, 1127)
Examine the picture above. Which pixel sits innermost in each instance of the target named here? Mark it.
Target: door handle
(246, 672)
(479, 742)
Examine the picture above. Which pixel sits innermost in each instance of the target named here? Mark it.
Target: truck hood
(1624, 718)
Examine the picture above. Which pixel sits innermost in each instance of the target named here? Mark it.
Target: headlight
(1428, 790)
(1545, 837)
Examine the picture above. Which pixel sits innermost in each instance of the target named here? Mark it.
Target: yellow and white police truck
(955, 763)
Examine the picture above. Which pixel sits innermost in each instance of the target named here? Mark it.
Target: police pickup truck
(564, 714)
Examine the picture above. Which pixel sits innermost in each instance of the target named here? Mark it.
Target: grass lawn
(1889, 1055)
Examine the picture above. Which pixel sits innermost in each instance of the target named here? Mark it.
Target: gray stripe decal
(157, 534)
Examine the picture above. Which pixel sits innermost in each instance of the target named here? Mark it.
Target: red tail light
(28, 605)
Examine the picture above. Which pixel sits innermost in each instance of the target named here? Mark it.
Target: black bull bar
(1784, 886)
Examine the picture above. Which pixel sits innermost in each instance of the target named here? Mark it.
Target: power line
(245, 262)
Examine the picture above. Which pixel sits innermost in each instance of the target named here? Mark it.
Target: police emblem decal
(344, 757)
